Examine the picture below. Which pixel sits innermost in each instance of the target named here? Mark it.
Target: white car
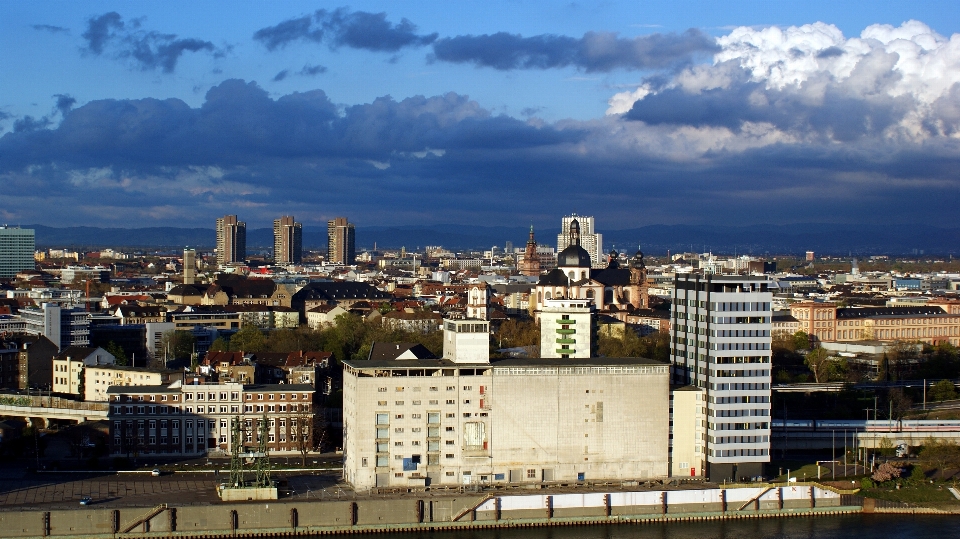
(155, 472)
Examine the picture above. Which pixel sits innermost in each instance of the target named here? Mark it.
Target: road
(20, 489)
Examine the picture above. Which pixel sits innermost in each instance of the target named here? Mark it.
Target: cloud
(149, 50)
(811, 81)
(309, 70)
(594, 52)
(281, 75)
(50, 28)
(65, 103)
(344, 28)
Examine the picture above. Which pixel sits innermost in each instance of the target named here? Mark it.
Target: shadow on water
(838, 527)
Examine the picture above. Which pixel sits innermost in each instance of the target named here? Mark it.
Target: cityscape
(259, 300)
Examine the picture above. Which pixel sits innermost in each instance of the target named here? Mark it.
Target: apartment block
(720, 340)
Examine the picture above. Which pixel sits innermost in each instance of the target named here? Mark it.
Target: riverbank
(413, 513)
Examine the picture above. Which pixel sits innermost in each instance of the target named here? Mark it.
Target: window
(451, 401)
(398, 403)
(398, 416)
(416, 416)
(531, 474)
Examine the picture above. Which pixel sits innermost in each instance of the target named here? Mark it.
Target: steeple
(575, 233)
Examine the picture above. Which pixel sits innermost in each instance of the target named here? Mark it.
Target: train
(864, 425)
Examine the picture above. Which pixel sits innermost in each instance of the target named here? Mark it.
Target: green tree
(801, 341)
(178, 345)
(820, 364)
(220, 345)
(118, 352)
(248, 339)
(943, 390)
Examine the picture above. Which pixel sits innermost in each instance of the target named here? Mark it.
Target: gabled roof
(339, 291)
(387, 351)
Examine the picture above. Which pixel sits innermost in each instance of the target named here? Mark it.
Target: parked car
(155, 472)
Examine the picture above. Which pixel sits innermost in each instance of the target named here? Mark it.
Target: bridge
(41, 409)
(826, 434)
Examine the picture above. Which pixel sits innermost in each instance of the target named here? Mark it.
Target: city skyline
(391, 113)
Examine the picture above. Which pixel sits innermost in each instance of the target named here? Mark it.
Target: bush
(866, 483)
(886, 472)
(917, 475)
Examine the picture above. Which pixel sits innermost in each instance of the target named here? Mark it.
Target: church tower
(530, 264)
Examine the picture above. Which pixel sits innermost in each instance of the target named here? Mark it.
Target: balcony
(566, 331)
(565, 351)
(566, 322)
(566, 341)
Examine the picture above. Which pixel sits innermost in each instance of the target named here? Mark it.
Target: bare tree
(308, 430)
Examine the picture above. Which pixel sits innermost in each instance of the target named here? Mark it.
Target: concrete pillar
(663, 503)
(723, 500)
(606, 505)
(549, 506)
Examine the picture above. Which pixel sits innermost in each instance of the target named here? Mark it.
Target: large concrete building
(16, 250)
(567, 328)
(65, 327)
(938, 321)
(189, 266)
(588, 238)
(720, 335)
(287, 241)
(231, 240)
(341, 242)
(464, 419)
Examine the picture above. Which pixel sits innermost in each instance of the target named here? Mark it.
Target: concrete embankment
(277, 519)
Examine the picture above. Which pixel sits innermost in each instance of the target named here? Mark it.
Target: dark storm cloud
(50, 28)
(281, 75)
(239, 123)
(345, 28)
(835, 111)
(148, 50)
(594, 52)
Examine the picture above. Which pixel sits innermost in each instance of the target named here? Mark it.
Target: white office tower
(567, 328)
(589, 239)
(720, 342)
(466, 341)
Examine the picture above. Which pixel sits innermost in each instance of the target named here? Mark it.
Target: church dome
(573, 256)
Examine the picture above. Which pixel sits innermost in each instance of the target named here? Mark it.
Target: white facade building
(720, 335)
(567, 328)
(64, 327)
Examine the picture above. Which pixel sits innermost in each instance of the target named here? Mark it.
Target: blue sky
(144, 114)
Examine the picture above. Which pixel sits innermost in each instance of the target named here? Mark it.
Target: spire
(575, 232)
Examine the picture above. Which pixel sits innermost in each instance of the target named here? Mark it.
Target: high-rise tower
(231, 240)
(16, 250)
(589, 239)
(340, 242)
(720, 343)
(287, 241)
(189, 265)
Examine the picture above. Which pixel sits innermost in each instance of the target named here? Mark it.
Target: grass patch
(911, 493)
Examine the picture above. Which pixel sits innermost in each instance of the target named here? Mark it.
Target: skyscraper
(287, 241)
(720, 343)
(589, 239)
(189, 265)
(340, 242)
(231, 240)
(16, 250)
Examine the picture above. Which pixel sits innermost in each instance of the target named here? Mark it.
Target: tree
(801, 341)
(940, 454)
(177, 345)
(886, 472)
(943, 390)
(219, 345)
(900, 403)
(820, 364)
(248, 339)
(308, 430)
(117, 351)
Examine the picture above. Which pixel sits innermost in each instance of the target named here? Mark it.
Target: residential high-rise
(287, 241)
(189, 266)
(341, 240)
(720, 343)
(589, 239)
(231, 240)
(16, 250)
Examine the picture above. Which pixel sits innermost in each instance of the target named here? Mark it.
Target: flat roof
(506, 362)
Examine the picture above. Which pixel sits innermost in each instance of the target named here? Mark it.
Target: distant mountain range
(855, 239)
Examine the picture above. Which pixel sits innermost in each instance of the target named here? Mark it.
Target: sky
(135, 114)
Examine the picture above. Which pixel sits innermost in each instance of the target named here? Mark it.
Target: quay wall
(288, 518)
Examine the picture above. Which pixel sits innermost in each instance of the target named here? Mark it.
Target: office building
(287, 241)
(16, 250)
(720, 343)
(591, 242)
(64, 327)
(341, 240)
(231, 240)
(189, 266)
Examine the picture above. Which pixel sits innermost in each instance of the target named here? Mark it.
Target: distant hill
(654, 239)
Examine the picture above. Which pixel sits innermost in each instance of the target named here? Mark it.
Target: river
(832, 527)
